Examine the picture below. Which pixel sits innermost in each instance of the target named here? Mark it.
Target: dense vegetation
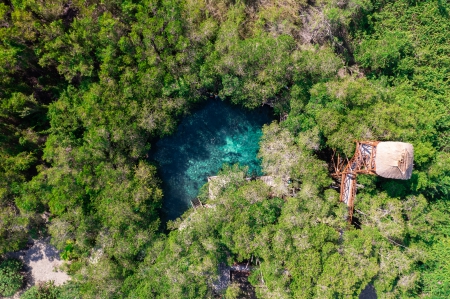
(48, 290)
(10, 278)
(87, 86)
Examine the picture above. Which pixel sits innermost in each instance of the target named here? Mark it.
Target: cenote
(214, 134)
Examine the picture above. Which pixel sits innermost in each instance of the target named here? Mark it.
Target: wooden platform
(196, 203)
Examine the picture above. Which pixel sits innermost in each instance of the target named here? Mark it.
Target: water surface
(215, 134)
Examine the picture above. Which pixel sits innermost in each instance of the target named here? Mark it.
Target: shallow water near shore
(215, 134)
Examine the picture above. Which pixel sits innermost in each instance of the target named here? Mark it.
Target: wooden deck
(196, 203)
(362, 162)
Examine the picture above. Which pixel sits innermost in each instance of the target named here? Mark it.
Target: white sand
(41, 262)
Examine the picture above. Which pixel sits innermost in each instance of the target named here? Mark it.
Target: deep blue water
(215, 134)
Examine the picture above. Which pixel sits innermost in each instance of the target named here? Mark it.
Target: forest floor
(41, 263)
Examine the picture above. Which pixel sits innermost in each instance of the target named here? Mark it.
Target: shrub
(10, 277)
(46, 290)
(233, 291)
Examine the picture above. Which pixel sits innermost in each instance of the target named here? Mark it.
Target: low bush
(48, 290)
(10, 278)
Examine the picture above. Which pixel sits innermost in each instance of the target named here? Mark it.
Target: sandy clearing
(41, 261)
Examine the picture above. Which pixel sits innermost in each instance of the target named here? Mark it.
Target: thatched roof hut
(394, 160)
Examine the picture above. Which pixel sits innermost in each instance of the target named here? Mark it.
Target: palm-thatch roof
(394, 160)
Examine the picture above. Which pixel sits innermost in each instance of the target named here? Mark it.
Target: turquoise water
(215, 134)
